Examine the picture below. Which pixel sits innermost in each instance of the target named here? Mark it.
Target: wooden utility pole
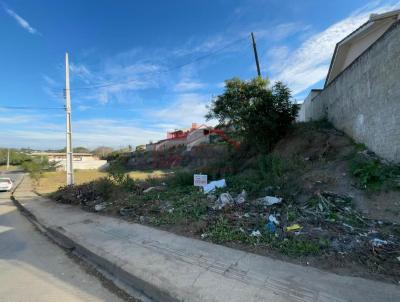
(255, 54)
(70, 170)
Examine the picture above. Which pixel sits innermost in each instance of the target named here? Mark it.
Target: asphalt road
(32, 268)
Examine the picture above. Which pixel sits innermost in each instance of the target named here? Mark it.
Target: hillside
(332, 204)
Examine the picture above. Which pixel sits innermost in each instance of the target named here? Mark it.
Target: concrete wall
(364, 101)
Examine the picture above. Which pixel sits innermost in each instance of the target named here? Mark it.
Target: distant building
(191, 137)
(140, 148)
(80, 161)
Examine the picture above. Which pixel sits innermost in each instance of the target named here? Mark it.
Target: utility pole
(70, 170)
(255, 54)
(8, 159)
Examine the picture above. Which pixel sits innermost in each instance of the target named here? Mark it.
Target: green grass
(374, 175)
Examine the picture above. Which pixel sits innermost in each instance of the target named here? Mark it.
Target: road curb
(125, 281)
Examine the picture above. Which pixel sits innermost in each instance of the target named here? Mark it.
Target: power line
(30, 108)
(166, 70)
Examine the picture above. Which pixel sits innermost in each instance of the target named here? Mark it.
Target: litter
(241, 198)
(273, 219)
(213, 185)
(204, 235)
(378, 242)
(270, 227)
(126, 211)
(100, 207)
(149, 189)
(269, 200)
(293, 227)
(255, 233)
(398, 258)
(223, 200)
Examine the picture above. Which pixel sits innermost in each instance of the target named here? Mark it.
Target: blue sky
(131, 58)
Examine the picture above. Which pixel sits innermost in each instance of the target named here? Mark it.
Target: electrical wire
(166, 70)
(30, 108)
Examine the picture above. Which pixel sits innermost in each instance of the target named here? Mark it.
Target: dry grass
(51, 181)
(11, 168)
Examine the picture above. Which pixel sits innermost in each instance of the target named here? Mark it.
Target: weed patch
(374, 175)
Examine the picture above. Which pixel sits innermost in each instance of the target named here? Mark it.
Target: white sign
(199, 180)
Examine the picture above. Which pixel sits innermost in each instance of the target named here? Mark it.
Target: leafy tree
(16, 157)
(102, 151)
(261, 115)
(80, 149)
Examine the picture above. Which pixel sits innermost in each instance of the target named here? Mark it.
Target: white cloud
(281, 31)
(187, 85)
(187, 109)
(89, 133)
(309, 63)
(17, 119)
(21, 21)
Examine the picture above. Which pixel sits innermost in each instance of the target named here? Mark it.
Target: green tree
(261, 115)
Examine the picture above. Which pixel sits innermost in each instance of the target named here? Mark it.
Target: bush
(180, 178)
(35, 166)
(261, 115)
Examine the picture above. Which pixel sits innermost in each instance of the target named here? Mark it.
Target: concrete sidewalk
(167, 267)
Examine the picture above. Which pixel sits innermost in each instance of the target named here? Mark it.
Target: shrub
(180, 178)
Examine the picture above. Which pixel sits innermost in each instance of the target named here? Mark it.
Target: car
(6, 184)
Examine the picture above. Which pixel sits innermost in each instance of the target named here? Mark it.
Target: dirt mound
(312, 143)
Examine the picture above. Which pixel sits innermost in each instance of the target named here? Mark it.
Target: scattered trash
(241, 198)
(273, 219)
(213, 185)
(223, 200)
(204, 236)
(398, 258)
(126, 211)
(255, 233)
(348, 226)
(270, 227)
(101, 206)
(170, 211)
(376, 242)
(157, 188)
(293, 227)
(269, 200)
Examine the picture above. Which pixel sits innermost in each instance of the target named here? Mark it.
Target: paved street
(34, 269)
